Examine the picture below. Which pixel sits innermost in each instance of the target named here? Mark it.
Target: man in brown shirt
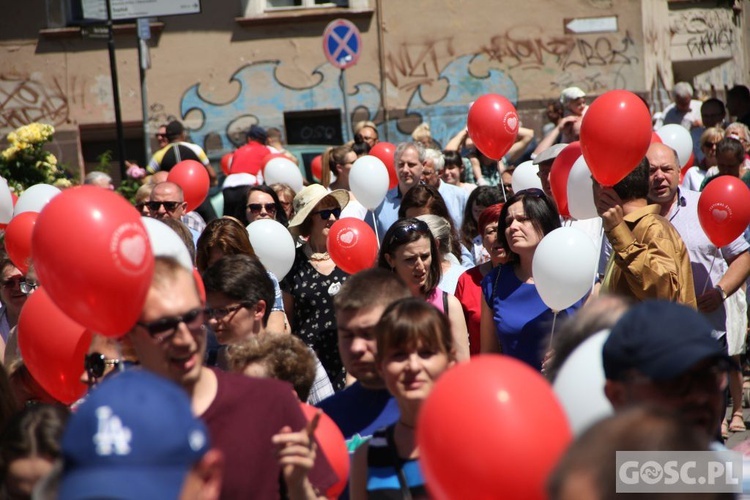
(649, 259)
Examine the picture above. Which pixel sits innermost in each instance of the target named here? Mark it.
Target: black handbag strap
(397, 463)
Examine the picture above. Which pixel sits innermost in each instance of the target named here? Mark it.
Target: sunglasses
(161, 136)
(219, 313)
(13, 282)
(95, 364)
(257, 207)
(709, 145)
(164, 329)
(325, 214)
(169, 206)
(402, 233)
(28, 287)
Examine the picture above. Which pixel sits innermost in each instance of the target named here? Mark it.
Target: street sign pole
(342, 45)
(347, 117)
(115, 91)
(144, 34)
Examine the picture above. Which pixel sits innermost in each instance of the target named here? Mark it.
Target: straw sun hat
(309, 197)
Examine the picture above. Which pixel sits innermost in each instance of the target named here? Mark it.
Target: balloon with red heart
(385, 152)
(192, 177)
(18, 239)
(611, 155)
(333, 446)
(724, 209)
(352, 245)
(493, 125)
(99, 273)
(558, 175)
(53, 347)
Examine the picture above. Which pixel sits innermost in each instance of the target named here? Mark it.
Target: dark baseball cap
(257, 133)
(660, 339)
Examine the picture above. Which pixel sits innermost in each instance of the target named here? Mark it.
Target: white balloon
(284, 171)
(368, 180)
(678, 138)
(525, 177)
(273, 244)
(579, 384)
(6, 202)
(166, 243)
(35, 198)
(563, 267)
(580, 191)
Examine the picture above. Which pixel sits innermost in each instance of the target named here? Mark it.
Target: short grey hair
(683, 89)
(441, 230)
(438, 160)
(96, 177)
(409, 145)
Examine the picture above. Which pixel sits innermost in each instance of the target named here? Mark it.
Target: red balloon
(317, 167)
(200, 285)
(53, 347)
(18, 239)
(92, 254)
(333, 446)
(479, 431)
(225, 163)
(686, 166)
(352, 245)
(192, 177)
(385, 152)
(615, 135)
(724, 209)
(493, 125)
(558, 175)
(655, 138)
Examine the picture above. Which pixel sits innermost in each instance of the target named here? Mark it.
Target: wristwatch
(721, 292)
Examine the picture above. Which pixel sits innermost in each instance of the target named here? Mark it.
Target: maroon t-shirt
(241, 420)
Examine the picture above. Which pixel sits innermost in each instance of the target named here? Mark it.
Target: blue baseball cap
(660, 339)
(134, 437)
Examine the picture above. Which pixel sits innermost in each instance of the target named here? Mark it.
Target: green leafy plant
(25, 162)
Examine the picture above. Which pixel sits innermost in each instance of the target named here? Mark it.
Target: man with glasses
(242, 414)
(367, 131)
(167, 201)
(455, 198)
(663, 354)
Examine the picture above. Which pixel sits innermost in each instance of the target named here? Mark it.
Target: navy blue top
(523, 321)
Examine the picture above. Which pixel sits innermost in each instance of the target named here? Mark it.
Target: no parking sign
(342, 43)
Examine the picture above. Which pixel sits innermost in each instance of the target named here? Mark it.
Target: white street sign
(591, 24)
(132, 9)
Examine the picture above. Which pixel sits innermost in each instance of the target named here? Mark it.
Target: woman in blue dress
(515, 321)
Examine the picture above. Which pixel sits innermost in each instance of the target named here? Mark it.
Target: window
(306, 4)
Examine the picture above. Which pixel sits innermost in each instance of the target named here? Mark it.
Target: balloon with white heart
(678, 138)
(35, 198)
(368, 180)
(283, 171)
(580, 191)
(579, 384)
(526, 176)
(166, 243)
(273, 245)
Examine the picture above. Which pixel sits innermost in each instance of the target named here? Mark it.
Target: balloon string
(708, 276)
(375, 227)
(552, 333)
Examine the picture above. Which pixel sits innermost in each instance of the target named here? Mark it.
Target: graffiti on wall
(704, 31)
(23, 101)
(434, 83)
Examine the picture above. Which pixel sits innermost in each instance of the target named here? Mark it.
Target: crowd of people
(453, 279)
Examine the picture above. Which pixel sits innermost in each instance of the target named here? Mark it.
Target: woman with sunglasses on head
(410, 251)
(314, 279)
(414, 348)
(514, 319)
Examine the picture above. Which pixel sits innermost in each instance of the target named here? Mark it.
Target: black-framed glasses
(13, 282)
(28, 286)
(169, 206)
(164, 329)
(95, 363)
(161, 136)
(257, 207)
(326, 213)
(219, 313)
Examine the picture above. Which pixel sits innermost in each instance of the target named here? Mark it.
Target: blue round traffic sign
(342, 43)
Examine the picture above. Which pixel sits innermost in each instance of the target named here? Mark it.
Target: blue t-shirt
(359, 412)
(522, 320)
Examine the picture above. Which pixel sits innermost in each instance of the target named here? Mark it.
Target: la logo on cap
(111, 436)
